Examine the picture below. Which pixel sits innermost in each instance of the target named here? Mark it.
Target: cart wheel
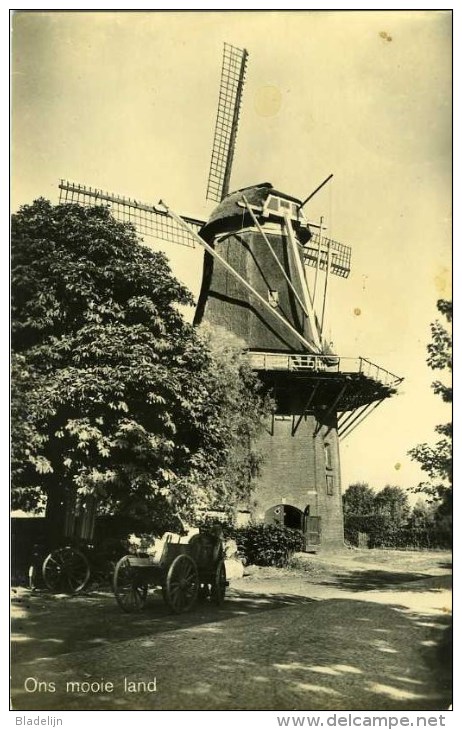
(130, 590)
(182, 584)
(66, 569)
(218, 590)
(218, 552)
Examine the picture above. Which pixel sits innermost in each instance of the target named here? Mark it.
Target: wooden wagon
(73, 552)
(68, 558)
(184, 569)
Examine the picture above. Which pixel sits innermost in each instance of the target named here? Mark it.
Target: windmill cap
(230, 208)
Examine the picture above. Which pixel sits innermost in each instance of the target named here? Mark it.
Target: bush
(382, 535)
(268, 544)
(407, 537)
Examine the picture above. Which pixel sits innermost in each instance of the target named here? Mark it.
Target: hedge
(267, 545)
(381, 535)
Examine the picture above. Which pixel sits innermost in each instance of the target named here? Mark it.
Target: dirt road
(356, 631)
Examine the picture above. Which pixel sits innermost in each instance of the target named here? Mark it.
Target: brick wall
(295, 473)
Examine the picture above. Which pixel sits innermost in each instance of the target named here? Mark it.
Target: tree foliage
(387, 520)
(390, 522)
(113, 393)
(388, 508)
(245, 407)
(358, 499)
(393, 504)
(422, 515)
(436, 460)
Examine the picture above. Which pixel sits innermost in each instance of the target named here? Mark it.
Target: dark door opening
(286, 515)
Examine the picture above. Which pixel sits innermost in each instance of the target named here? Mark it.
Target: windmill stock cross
(262, 263)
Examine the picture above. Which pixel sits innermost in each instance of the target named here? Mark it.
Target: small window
(273, 297)
(328, 456)
(329, 484)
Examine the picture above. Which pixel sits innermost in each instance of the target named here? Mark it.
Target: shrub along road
(355, 631)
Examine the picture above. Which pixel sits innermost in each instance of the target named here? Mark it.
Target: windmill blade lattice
(316, 254)
(229, 102)
(149, 220)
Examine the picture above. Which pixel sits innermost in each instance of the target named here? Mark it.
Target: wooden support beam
(266, 239)
(353, 426)
(339, 395)
(332, 407)
(326, 281)
(305, 409)
(301, 274)
(352, 417)
(318, 260)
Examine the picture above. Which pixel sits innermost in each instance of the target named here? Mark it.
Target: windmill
(266, 276)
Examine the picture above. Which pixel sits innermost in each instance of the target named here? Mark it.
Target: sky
(127, 102)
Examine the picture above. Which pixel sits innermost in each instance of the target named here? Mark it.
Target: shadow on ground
(46, 625)
(368, 580)
(260, 652)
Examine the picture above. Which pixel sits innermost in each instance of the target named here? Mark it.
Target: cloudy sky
(127, 102)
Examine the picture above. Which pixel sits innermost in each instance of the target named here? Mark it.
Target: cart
(72, 556)
(184, 568)
(73, 566)
(66, 569)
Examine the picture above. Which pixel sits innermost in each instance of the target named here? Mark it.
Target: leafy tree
(113, 394)
(436, 460)
(392, 503)
(422, 515)
(245, 406)
(358, 499)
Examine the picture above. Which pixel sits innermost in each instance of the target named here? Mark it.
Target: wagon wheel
(130, 590)
(66, 569)
(203, 593)
(182, 584)
(218, 551)
(218, 589)
(202, 544)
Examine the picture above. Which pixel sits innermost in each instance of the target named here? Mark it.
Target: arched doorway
(286, 515)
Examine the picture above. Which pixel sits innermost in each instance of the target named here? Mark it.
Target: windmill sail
(229, 102)
(315, 254)
(149, 220)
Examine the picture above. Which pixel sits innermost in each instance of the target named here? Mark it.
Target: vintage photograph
(231, 388)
